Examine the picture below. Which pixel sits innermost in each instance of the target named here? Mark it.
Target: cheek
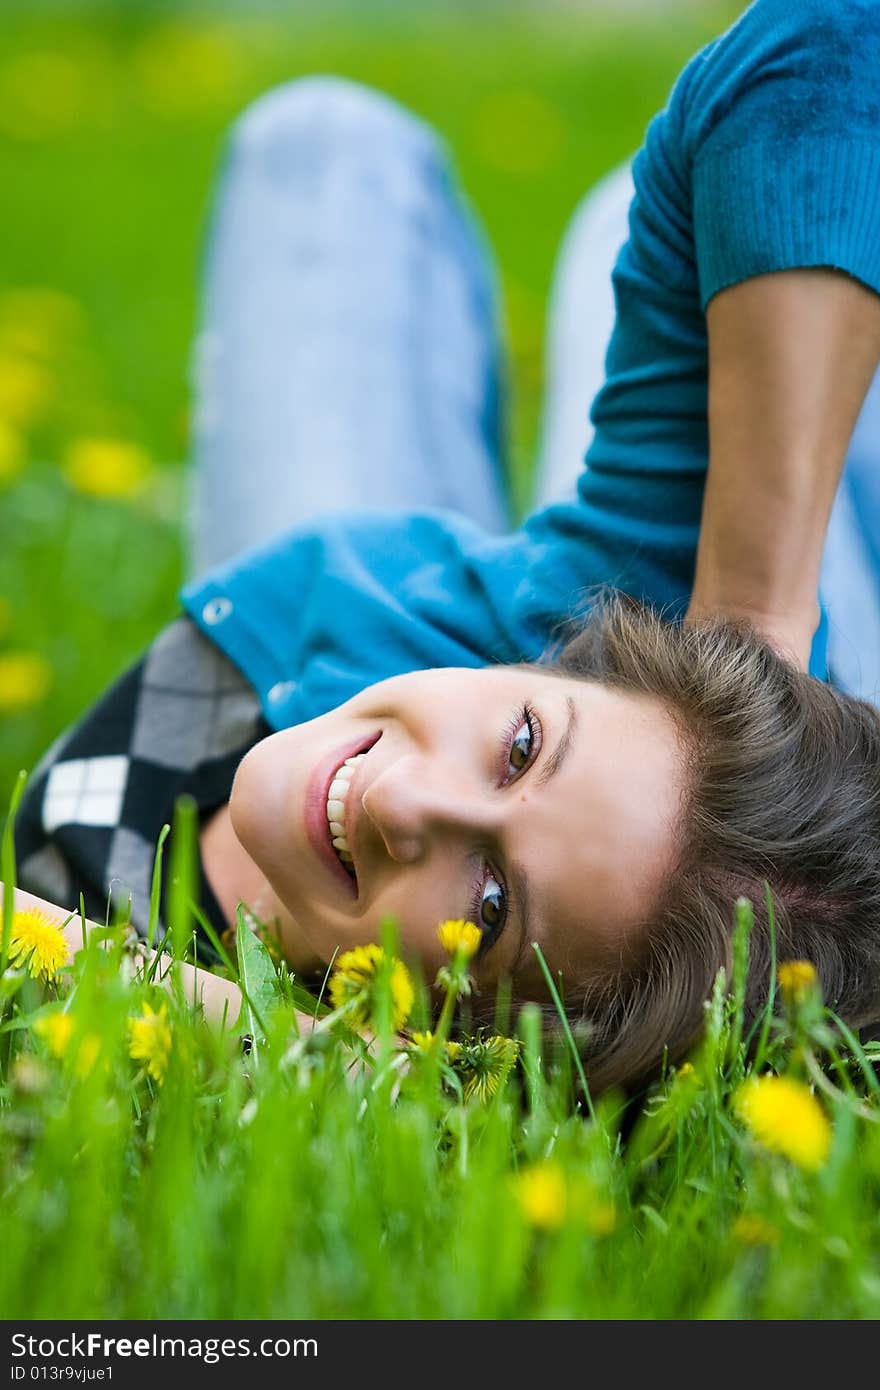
(418, 901)
(264, 801)
(254, 798)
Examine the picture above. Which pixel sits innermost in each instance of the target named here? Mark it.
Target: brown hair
(783, 776)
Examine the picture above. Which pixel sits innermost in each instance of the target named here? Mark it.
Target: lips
(315, 809)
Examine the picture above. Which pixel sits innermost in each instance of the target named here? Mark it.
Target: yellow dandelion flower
(685, 1070)
(460, 937)
(149, 1040)
(37, 944)
(107, 467)
(424, 1042)
(542, 1194)
(785, 1116)
(12, 453)
(353, 983)
(796, 979)
(486, 1064)
(25, 679)
(56, 1030)
(754, 1230)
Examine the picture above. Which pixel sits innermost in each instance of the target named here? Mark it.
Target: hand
(790, 636)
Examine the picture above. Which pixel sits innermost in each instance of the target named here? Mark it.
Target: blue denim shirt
(766, 157)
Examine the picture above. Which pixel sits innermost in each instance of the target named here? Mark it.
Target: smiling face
(541, 807)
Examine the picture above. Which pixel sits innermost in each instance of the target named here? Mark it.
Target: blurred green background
(112, 120)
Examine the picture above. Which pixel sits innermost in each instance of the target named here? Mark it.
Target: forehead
(599, 839)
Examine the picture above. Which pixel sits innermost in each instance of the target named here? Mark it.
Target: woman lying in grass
(631, 790)
(347, 700)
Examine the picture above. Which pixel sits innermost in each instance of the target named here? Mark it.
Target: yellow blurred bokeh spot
(25, 680)
(107, 467)
(42, 94)
(550, 1198)
(38, 322)
(26, 389)
(182, 68)
(751, 1229)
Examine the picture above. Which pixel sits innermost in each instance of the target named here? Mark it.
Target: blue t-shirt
(766, 158)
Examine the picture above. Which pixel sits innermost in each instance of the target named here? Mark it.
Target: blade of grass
(767, 1015)
(7, 868)
(530, 1029)
(327, 974)
(156, 888)
(858, 1052)
(566, 1028)
(183, 874)
(744, 918)
(214, 939)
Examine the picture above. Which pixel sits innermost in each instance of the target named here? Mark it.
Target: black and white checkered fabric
(178, 721)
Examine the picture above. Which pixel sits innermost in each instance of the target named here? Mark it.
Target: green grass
(320, 1177)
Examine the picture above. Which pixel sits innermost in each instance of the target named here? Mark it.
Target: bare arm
(791, 357)
(217, 996)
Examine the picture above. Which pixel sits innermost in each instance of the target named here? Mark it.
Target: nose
(410, 804)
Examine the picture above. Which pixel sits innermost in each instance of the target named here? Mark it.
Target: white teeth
(336, 797)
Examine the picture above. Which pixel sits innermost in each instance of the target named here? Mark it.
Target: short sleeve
(782, 129)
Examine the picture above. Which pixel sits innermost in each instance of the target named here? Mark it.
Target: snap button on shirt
(216, 609)
(280, 691)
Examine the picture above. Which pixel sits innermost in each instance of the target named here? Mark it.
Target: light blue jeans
(351, 348)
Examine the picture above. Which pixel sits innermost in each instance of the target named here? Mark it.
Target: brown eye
(492, 905)
(521, 748)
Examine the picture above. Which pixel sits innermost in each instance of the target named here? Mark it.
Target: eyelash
(525, 714)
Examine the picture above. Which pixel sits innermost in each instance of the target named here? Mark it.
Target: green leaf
(10, 984)
(257, 980)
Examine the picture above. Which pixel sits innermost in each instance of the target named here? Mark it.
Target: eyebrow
(518, 877)
(557, 757)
